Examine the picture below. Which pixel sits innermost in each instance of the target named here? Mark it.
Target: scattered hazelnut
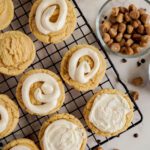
(129, 42)
(135, 95)
(115, 47)
(119, 18)
(135, 24)
(134, 14)
(127, 17)
(127, 36)
(145, 18)
(112, 32)
(136, 37)
(105, 26)
(138, 81)
(130, 29)
(122, 27)
(140, 29)
(132, 7)
(129, 51)
(119, 37)
(115, 11)
(122, 43)
(147, 29)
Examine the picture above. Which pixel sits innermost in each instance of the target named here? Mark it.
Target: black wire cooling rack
(49, 57)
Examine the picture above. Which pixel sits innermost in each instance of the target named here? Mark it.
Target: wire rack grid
(49, 56)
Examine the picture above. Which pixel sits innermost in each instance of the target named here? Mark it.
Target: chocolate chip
(136, 135)
(105, 17)
(143, 60)
(138, 64)
(1, 144)
(102, 22)
(89, 130)
(123, 60)
(98, 141)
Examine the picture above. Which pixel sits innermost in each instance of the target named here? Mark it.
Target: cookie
(9, 115)
(83, 67)
(109, 112)
(17, 52)
(6, 13)
(40, 92)
(62, 130)
(21, 144)
(52, 21)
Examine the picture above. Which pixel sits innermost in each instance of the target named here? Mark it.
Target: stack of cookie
(41, 92)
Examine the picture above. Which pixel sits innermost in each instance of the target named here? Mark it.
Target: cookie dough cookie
(17, 52)
(109, 112)
(40, 92)
(6, 13)
(83, 67)
(62, 130)
(9, 115)
(52, 21)
(21, 144)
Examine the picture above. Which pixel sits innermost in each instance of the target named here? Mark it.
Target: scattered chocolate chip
(138, 81)
(105, 17)
(123, 60)
(98, 141)
(102, 22)
(89, 130)
(1, 144)
(135, 95)
(138, 64)
(143, 60)
(135, 135)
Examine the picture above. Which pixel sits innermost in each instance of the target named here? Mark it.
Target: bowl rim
(104, 45)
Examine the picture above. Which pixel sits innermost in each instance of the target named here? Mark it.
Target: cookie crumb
(138, 81)
(136, 135)
(135, 95)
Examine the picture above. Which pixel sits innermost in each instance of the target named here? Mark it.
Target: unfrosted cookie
(6, 13)
(52, 21)
(9, 115)
(83, 67)
(17, 52)
(21, 144)
(62, 130)
(109, 112)
(40, 92)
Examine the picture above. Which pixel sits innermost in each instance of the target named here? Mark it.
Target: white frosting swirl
(48, 94)
(45, 11)
(109, 112)
(20, 147)
(63, 135)
(4, 118)
(82, 72)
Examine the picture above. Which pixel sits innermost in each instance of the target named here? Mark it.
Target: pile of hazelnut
(127, 30)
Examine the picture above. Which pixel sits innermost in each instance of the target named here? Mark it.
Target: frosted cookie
(6, 13)
(109, 112)
(21, 144)
(40, 92)
(83, 67)
(9, 115)
(62, 130)
(52, 21)
(17, 52)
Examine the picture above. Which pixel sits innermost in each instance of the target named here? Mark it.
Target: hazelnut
(145, 40)
(106, 37)
(127, 17)
(142, 11)
(123, 50)
(132, 7)
(129, 51)
(136, 37)
(122, 43)
(129, 42)
(115, 47)
(112, 32)
(138, 81)
(119, 18)
(115, 11)
(135, 95)
(130, 29)
(140, 29)
(123, 9)
(122, 27)
(136, 48)
(145, 18)
(119, 37)
(134, 14)
(115, 26)
(147, 29)
(105, 26)
(110, 42)
(127, 36)
(135, 24)
(139, 22)
(112, 19)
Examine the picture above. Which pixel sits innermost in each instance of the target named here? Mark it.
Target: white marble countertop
(127, 70)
